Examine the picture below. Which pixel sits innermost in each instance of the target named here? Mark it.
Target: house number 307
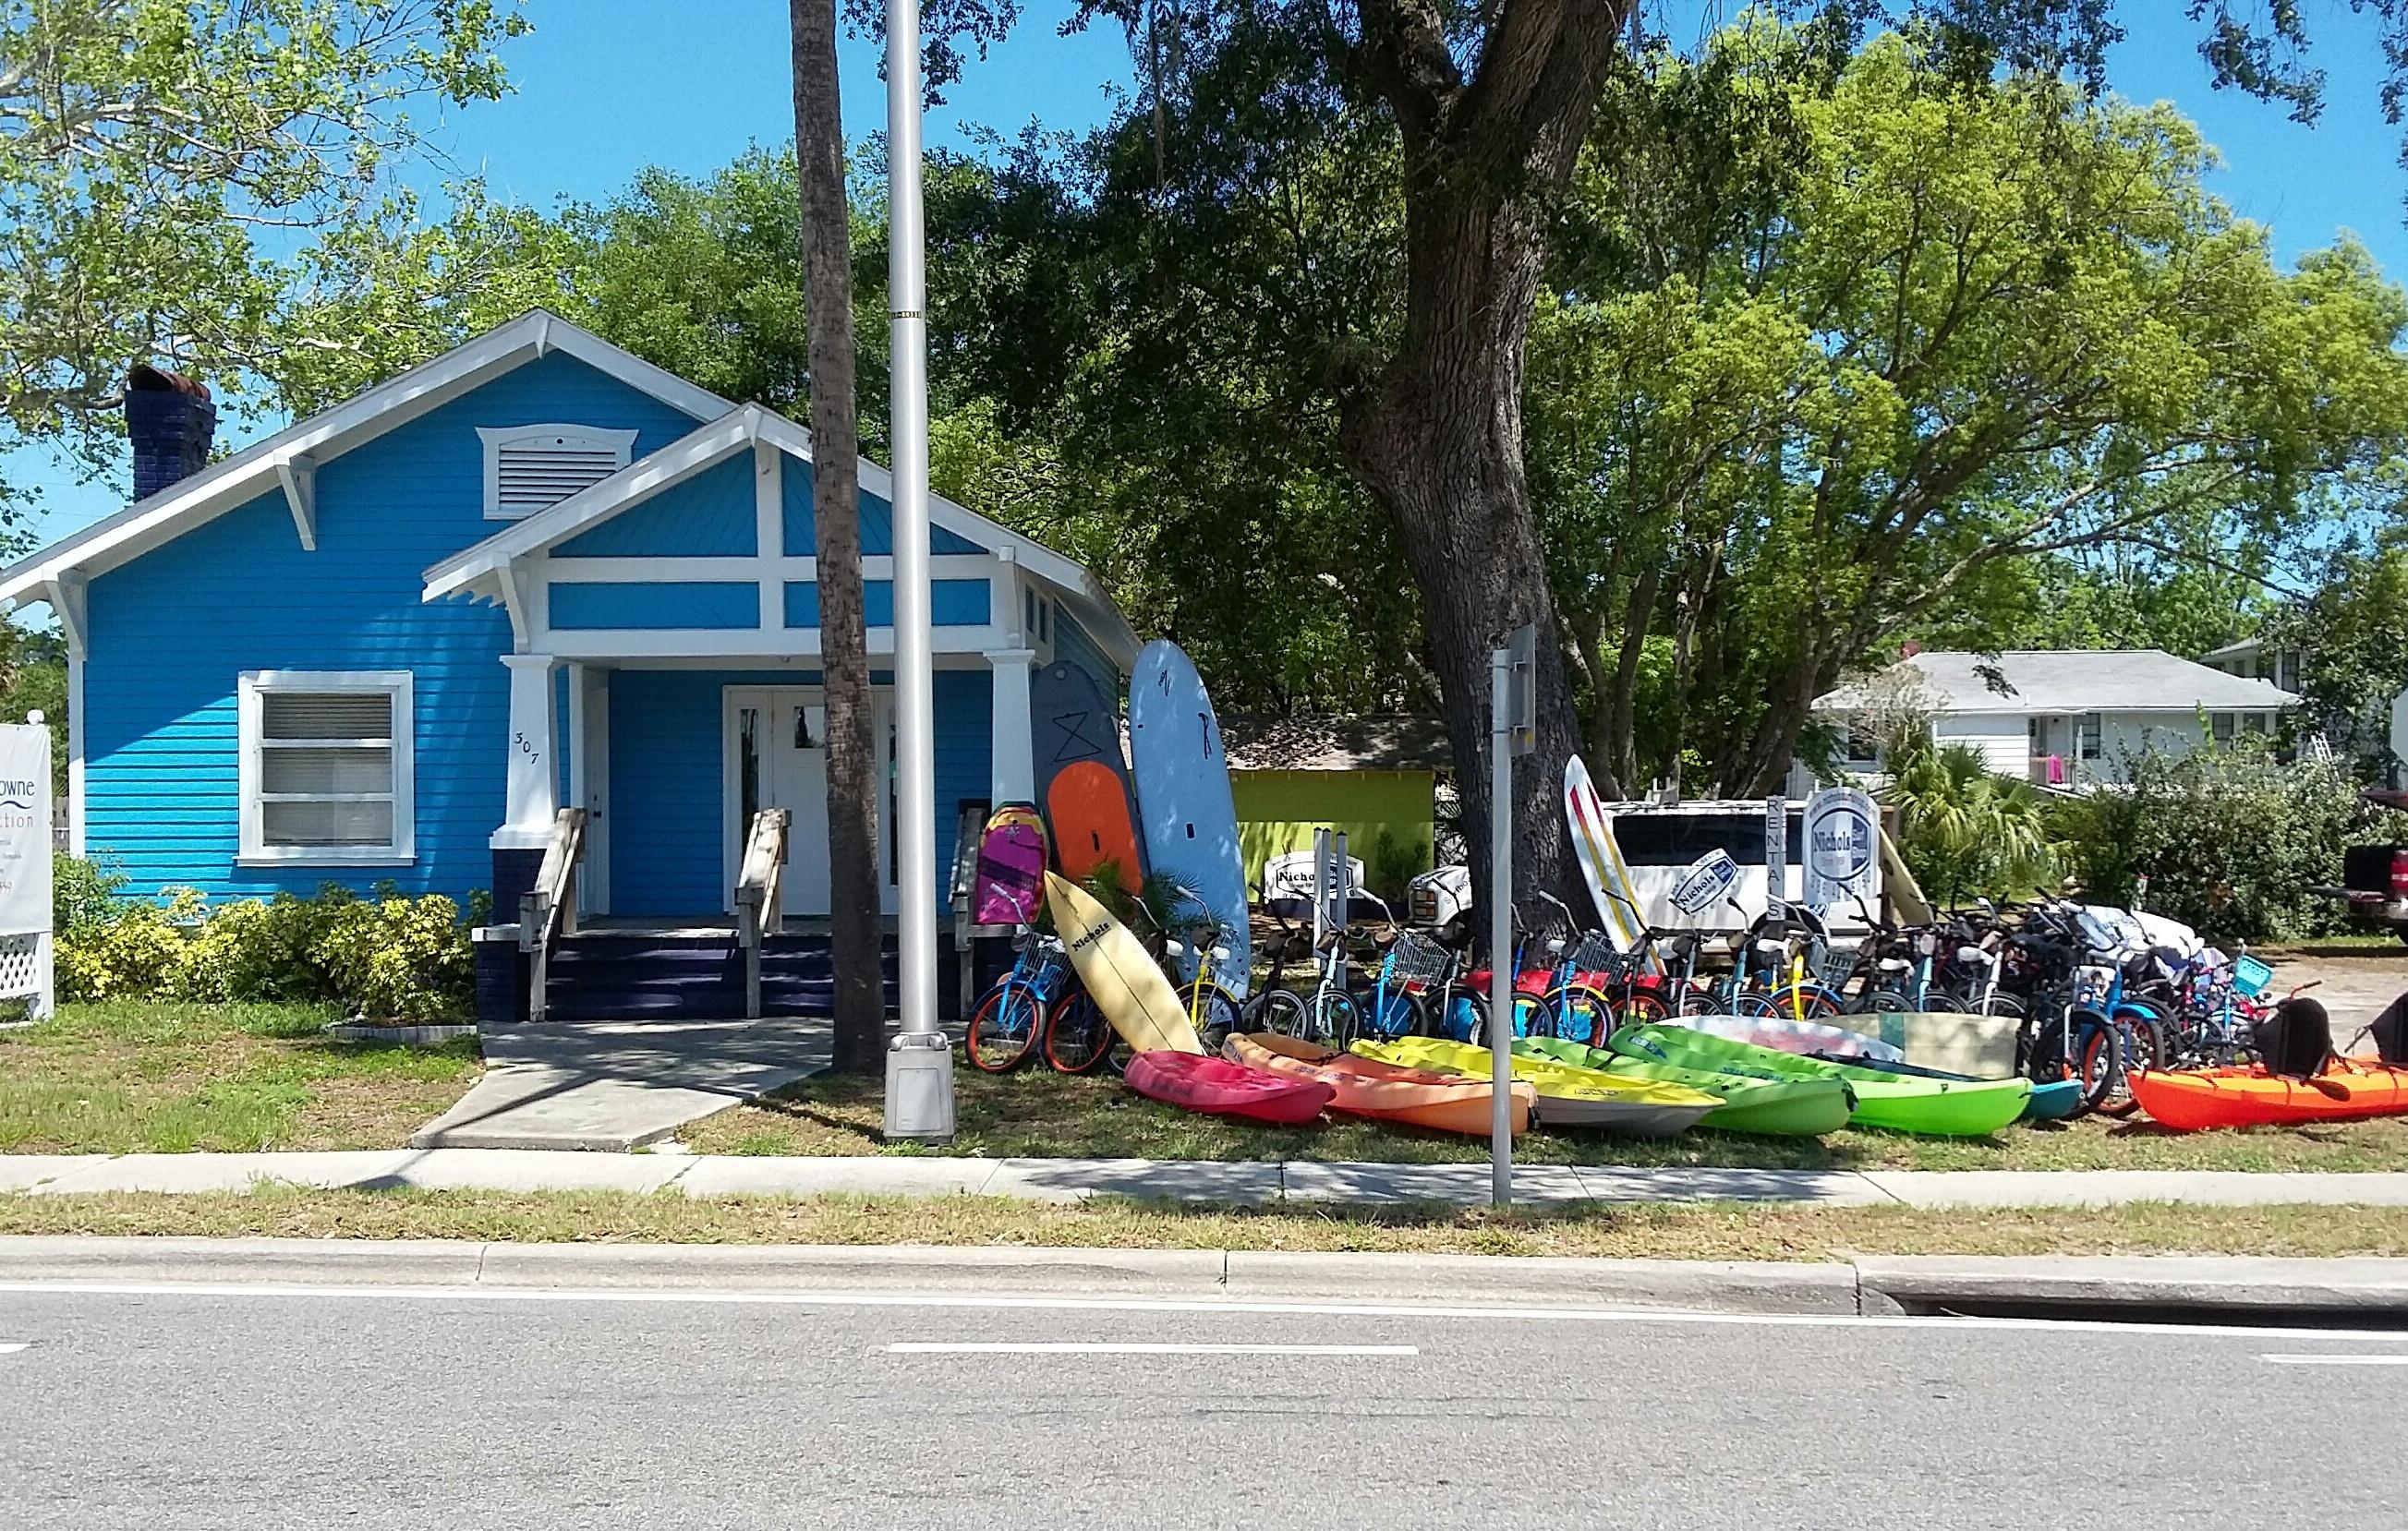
(526, 747)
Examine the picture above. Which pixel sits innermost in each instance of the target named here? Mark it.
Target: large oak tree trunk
(1439, 446)
(856, 930)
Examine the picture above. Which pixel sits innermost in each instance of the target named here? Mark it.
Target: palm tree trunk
(854, 926)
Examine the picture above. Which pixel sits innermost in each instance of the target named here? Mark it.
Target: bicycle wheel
(2142, 1040)
(1807, 1001)
(1338, 1019)
(1217, 1013)
(1579, 1013)
(2098, 1059)
(1281, 1012)
(1384, 1019)
(1003, 1028)
(1078, 1039)
(1642, 1008)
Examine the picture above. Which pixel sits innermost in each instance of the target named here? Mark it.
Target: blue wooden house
(387, 643)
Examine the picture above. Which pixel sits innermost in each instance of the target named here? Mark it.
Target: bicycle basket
(1833, 967)
(1596, 954)
(2250, 976)
(1415, 962)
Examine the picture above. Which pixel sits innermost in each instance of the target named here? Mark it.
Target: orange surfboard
(1081, 780)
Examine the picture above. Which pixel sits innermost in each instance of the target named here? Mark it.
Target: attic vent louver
(528, 467)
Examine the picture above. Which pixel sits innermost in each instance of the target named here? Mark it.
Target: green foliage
(1393, 863)
(386, 956)
(1965, 831)
(2231, 838)
(2352, 634)
(157, 157)
(83, 892)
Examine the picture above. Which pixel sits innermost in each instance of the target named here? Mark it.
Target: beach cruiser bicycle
(1010, 1020)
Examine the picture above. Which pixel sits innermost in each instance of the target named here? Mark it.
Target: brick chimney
(171, 422)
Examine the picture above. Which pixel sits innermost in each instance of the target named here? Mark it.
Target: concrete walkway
(1203, 1182)
(610, 1087)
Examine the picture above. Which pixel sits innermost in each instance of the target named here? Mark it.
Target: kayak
(1900, 1101)
(1217, 1087)
(1383, 1092)
(1798, 1108)
(1785, 1035)
(2052, 1100)
(2188, 1100)
(1568, 1096)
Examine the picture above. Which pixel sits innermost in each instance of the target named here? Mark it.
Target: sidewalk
(1230, 1183)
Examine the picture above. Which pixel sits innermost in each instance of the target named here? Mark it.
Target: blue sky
(606, 87)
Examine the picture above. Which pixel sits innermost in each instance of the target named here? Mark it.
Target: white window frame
(400, 687)
(621, 443)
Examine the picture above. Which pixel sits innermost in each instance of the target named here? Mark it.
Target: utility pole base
(920, 1089)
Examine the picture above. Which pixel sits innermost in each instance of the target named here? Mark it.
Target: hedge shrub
(2231, 839)
(387, 956)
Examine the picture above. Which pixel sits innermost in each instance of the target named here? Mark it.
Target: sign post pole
(1511, 731)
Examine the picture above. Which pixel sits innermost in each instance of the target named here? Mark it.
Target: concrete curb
(2243, 1287)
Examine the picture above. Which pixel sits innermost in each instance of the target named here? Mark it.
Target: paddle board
(1119, 974)
(1601, 858)
(1185, 806)
(1082, 783)
(1011, 875)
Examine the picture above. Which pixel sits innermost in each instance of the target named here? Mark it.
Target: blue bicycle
(1011, 1016)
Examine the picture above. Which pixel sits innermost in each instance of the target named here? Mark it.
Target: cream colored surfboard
(1125, 982)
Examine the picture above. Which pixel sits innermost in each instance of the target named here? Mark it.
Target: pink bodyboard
(1010, 887)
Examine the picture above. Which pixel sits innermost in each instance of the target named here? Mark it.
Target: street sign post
(1512, 730)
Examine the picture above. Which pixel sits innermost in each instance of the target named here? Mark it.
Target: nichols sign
(1842, 847)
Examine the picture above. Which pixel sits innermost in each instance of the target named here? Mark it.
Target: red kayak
(1197, 1081)
(2345, 1090)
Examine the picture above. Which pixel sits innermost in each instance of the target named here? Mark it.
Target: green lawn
(1034, 1114)
(137, 1076)
(1716, 1231)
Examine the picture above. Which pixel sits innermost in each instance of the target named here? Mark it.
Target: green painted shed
(1373, 776)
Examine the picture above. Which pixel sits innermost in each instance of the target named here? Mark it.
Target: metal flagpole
(924, 1106)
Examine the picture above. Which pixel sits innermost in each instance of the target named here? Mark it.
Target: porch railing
(760, 895)
(548, 911)
(969, 827)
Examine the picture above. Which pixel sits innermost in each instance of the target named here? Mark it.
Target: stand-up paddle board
(1082, 783)
(1183, 802)
(1011, 877)
(1118, 973)
(1601, 858)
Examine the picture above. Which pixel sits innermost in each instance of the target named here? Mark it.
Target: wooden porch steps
(613, 976)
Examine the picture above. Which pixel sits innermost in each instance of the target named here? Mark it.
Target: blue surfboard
(1188, 817)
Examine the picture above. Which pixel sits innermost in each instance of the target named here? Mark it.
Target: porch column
(1013, 772)
(533, 795)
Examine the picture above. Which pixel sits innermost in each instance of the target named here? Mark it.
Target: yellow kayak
(1568, 1097)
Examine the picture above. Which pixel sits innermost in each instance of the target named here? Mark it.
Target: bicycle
(1011, 1016)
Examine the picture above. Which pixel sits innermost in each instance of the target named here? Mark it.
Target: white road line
(1222, 1306)
(10, 1350)
(2337, 1360)
(1103, 1348)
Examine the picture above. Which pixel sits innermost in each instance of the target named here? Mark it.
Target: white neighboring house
(2066, 718)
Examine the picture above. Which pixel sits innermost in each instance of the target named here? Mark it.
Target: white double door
(776, 748)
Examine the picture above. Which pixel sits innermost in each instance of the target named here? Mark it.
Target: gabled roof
(2055, 680)
(287, 458)
(476, 569)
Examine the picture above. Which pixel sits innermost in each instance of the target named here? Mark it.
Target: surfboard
(1083, 784)
(1183, 802)
(1601, 858)
(1118, 973)
(1010, 882)
(1803, 1037)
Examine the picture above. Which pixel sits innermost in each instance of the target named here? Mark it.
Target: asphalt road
(246, 1408)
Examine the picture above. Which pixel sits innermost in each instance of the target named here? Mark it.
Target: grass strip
(1650, 1231)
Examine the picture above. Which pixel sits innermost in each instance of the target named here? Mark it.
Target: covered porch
(665, 684)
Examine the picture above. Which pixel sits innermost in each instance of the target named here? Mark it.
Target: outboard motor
(2296, 1041)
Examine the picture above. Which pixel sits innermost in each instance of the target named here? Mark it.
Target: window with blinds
(326, 766)
(528, 467)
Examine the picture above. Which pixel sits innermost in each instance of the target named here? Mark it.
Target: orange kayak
(2188, 1100)
(1383, 1092)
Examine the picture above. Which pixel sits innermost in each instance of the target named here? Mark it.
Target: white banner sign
(1842, 845)
(25, 829)
(1705, 883)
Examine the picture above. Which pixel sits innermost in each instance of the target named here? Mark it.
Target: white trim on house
(485, 568)
(497, 440)
(399, 688)
(312, 443)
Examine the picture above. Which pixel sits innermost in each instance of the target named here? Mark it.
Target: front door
(777, 753)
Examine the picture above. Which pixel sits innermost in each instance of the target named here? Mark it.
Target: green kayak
(1798, 1108)
(1900, 1102)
